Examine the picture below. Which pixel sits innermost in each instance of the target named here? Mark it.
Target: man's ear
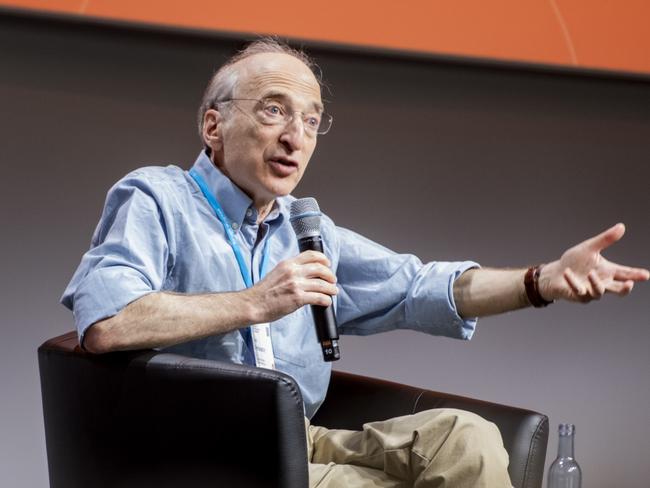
(212, 124)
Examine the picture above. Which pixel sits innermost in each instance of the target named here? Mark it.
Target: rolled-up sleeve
(128, 256)
(380, 290)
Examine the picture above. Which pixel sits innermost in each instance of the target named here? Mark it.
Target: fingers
(574, 282)
(635, 274)
(314, 291)
(303, 280)
(318, 299)
(593, 287)
(583, 290)
(316, 276)
(313, 268)
(319, 286)
(597, 286)
(621, 288)
(312, 257)
(578, 289)
(306, 266)
(606, 238)
(318, 270)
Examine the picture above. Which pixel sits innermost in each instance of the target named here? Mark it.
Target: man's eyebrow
(275, 94)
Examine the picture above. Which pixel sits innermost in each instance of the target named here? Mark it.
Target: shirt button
(234, 226)
(249, 212)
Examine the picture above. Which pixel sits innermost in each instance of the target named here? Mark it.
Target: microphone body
(305, 220)
(324, 317)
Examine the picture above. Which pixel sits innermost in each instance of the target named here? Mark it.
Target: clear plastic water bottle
(565, 471)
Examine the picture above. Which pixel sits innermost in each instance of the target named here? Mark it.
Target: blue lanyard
(243, 267)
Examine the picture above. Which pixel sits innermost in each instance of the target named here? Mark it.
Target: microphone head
(305, 217)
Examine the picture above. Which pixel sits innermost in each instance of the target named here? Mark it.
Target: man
(189, 260)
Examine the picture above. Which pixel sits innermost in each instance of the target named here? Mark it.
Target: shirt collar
(232, 199)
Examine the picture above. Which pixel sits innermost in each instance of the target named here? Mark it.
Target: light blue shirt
(157, 232)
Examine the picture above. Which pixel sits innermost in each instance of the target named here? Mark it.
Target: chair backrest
(147, 418)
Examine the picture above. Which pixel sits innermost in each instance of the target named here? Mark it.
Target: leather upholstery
(149, 418)
(353, 400)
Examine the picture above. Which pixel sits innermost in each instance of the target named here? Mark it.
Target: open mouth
(284, 162)
(283, 166)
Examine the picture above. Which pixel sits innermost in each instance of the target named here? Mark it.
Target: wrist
(253, 306)
(533, 287)
(546, 279)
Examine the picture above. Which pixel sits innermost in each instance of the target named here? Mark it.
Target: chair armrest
(148, 418)
(353, 400)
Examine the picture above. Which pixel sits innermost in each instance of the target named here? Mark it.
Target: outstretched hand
(582, 274)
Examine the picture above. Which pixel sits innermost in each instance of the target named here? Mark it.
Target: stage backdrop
(587, 33)
(445, 160)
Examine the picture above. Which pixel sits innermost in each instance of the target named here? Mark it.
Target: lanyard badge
(257, 337)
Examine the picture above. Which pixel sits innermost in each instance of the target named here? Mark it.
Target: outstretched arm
(581, 274)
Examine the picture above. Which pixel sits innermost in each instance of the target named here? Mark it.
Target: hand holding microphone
(303, 280)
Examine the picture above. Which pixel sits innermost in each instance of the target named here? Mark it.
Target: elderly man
(189, 260)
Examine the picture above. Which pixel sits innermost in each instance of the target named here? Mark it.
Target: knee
(468, 424)
(476, 438)
(467, 450)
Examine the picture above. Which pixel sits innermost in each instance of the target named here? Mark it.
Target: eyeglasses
(273, 112)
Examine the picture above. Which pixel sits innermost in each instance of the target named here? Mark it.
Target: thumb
(606, 238)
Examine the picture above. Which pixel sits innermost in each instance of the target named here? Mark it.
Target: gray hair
(222, 84)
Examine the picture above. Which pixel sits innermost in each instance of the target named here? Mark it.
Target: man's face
(267, 161)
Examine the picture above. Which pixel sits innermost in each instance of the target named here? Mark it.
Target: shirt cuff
(104, 293)
(430, 304)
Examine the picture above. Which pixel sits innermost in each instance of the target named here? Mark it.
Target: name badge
(262, 346)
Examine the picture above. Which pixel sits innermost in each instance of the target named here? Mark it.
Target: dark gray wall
(445, 160)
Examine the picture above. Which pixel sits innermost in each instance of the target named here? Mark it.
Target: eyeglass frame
(289, 116)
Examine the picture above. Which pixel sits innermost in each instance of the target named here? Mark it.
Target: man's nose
(293, 133)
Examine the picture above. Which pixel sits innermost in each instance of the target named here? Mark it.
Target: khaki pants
(441, 448)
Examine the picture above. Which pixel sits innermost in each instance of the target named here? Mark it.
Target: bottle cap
(567, 429)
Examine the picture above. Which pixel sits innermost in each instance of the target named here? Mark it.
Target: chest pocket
(294, 339)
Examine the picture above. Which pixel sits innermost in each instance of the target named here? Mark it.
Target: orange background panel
(610, 34)
(587, 33)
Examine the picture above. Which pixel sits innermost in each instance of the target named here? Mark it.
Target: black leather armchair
(153, 419)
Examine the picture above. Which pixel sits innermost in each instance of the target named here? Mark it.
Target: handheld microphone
(305, 220)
